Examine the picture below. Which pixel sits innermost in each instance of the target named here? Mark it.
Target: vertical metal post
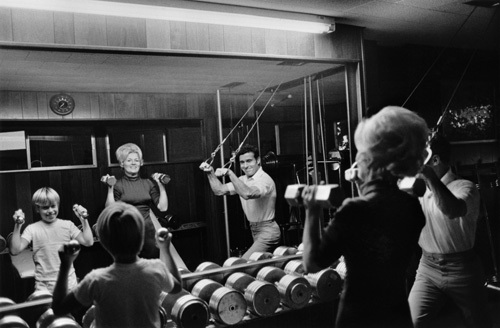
(313, 134)
(28, 151)
(221, 138)
(258, 134)
(306, 132)
(278, 140)
(313, 150)
(322, 134)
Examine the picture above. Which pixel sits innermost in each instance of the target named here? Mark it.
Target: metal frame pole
(313, 134)
(221, 138)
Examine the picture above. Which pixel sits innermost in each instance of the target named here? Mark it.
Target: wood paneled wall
(35, 105)
(29, 105)
(45, 27)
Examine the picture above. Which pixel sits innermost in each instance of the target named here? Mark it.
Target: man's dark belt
(255, 223)
(450, 256)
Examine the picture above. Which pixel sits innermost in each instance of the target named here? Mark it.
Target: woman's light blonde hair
(126, 149)
(394, 140)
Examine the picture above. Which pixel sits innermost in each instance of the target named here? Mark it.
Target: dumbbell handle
(19, 216)
(72, 247)
(162, 234)
(110, 180)
(81, 210)
(326, 196)
(164, 178)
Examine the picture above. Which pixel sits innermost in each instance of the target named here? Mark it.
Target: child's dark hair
(249, 149)
(120, 228)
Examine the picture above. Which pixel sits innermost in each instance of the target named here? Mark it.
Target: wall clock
(62, 104)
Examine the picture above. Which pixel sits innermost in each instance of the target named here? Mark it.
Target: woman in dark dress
(376, 232)
(142, 193)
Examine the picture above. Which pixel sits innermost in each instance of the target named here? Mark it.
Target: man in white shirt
(449, 267)
(257, 193)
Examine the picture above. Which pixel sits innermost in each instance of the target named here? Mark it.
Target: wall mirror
(112, 85)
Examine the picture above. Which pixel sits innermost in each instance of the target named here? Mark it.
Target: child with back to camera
(47, 236)
(126, 293)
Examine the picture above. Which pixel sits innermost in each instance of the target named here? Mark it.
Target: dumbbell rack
(191, 278)
(26, 310)
(315, 307)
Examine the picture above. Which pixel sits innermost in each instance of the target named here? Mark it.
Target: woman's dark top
(377, 234)
(142, 193)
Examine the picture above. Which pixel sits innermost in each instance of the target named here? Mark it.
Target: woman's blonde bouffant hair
(124, 150)
(393, 140)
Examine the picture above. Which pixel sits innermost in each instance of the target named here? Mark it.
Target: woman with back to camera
(142, 193)
(376, 232)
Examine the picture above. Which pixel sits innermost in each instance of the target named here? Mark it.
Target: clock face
(62, 104)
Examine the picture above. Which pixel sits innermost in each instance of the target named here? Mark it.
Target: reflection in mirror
(13, 154)
(41, 147)
(282, 97)
(61, 150)
(277, 118)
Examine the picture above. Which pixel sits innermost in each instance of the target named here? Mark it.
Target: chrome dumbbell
(164, 178)
(110, 180)
(413, 186)
(72, 247)
(326, 196)
(293, 194)
(19, 216)
(162, 234)
(80, 210)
